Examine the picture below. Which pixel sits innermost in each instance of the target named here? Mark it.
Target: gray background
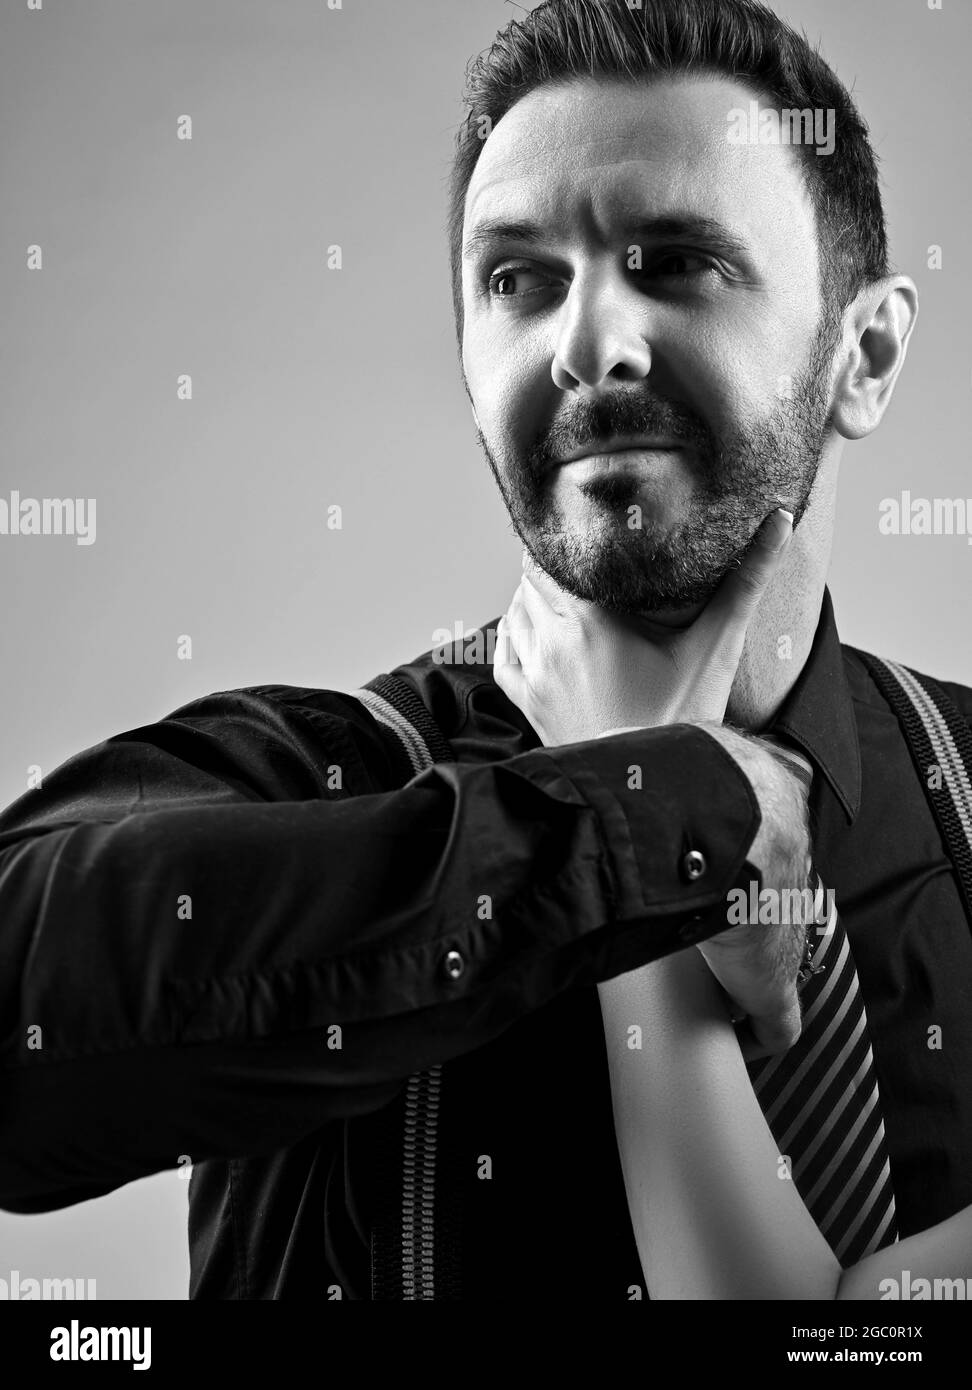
(314, 126)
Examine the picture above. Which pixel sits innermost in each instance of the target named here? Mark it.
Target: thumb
(507, 672)
(767, 1035)
(735, 601)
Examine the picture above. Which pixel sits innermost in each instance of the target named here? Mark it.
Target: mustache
(619, 414)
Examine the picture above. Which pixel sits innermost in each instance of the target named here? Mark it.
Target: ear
(877, 328)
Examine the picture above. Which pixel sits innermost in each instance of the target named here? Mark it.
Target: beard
(650, 568)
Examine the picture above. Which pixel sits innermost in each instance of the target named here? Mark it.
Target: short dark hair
(739, 39)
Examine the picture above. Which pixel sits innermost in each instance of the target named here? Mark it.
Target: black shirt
(189, 910)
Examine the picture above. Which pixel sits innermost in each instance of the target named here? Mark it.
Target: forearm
(238, 920)
(188, 913)
(943, 1252)
(713, 1212)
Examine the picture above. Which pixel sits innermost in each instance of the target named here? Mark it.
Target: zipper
(418, 1184)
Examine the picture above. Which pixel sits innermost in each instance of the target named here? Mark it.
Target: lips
(619, 444)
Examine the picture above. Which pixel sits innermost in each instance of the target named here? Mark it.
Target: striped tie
(821, 1098)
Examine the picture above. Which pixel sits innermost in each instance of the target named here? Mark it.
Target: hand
(757, 964)
(577, 671)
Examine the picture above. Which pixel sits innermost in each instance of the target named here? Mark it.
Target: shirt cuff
(677, 813)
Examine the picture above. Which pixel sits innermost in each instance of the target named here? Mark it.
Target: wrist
(676, 1000)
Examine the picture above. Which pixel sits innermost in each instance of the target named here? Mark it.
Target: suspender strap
(416, 1234)
(941, 747)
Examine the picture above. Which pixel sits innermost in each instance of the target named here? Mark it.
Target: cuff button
(693, 864)
(453, 965)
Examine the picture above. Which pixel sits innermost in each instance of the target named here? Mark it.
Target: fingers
(506, 667)
(749, 1045)
(764, 1035)
(539, 582)
(519, 624)
(735, 601)
(514, 634)
(535, 601)
(526, 611)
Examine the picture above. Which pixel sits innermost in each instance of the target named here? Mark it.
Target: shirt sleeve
(222, 930)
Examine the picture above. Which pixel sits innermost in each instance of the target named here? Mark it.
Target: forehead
(591, 151)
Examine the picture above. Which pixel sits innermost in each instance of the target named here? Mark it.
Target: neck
(781, 633)
(778, 643)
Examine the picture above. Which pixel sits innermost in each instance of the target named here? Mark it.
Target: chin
(673, 615)
(634, 596)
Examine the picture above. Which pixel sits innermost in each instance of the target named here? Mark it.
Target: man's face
(661, 283)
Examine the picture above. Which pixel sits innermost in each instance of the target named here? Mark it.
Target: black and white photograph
(486, 757)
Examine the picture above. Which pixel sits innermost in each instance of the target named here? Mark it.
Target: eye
(513, 280)
(679, 265)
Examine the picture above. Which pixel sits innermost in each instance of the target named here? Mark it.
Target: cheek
(510, 389)
(734, 379)
(479, 367)
(709, 377)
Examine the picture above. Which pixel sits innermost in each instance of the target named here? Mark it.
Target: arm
(187, 910)
(711, 1214)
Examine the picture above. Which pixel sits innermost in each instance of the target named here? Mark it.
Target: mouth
(619, 451)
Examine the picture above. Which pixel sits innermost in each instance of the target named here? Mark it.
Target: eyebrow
(494, 230)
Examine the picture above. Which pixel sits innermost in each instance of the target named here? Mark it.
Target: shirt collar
(818, 715)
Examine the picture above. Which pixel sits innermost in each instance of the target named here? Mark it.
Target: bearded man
(384, 1052)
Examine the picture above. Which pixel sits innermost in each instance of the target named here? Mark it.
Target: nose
(601, 334)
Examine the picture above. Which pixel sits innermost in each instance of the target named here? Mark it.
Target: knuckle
(780, 1033)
